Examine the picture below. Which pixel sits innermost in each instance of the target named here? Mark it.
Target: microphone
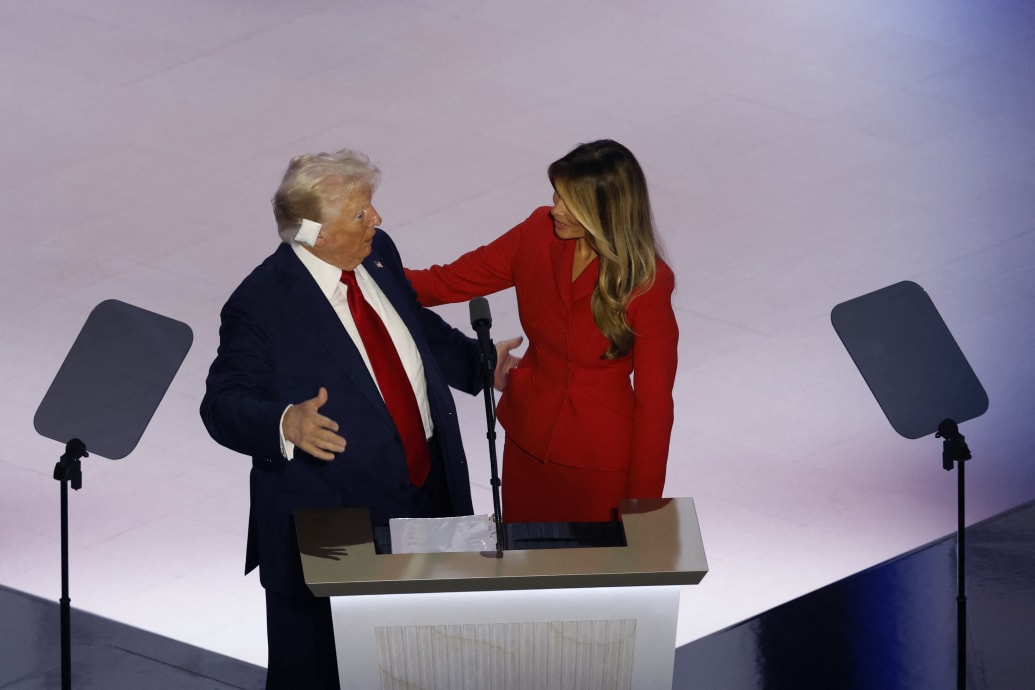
(481, 322)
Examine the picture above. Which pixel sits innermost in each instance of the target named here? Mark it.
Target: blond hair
(314, 183)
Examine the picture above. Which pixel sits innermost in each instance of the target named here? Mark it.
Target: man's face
(348, 232)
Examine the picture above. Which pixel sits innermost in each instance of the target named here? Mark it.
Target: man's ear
(308, 232)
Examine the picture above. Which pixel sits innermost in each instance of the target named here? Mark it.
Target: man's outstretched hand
(311, 431)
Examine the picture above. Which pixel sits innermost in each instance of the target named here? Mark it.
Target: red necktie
(392, 380)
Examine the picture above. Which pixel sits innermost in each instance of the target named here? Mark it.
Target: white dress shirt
(328, 279)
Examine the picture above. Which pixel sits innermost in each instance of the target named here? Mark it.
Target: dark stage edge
(891, 627)
(105, 655)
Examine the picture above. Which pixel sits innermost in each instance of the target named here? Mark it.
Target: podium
(573, 618)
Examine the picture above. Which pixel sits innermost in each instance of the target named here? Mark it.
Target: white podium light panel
(570, 639)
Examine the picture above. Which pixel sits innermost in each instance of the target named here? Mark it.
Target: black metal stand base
(68, 471)
(955, 453)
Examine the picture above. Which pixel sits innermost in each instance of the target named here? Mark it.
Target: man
(298, 385)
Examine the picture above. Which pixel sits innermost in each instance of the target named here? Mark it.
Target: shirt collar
(327, 276)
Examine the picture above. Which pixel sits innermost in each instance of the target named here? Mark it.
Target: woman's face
(564, 224)
(346, 238)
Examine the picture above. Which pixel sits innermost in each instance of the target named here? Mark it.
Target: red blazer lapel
(562, 257)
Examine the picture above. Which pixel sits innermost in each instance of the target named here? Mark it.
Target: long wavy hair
(604, 187)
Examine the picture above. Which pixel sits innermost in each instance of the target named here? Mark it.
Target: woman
(595, 301)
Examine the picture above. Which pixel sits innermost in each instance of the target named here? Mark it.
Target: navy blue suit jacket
(280, 340)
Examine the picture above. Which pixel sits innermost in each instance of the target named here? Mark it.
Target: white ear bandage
(308, 232)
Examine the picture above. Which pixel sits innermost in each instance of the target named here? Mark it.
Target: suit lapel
(562, 258)
(396, 292)
(587, 280)
(317, 317)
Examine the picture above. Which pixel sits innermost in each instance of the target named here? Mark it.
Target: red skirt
(537, 491)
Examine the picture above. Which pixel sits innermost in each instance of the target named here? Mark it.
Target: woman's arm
(654, 372)
(483, 271)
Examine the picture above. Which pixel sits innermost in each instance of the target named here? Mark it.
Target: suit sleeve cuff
(287, 448)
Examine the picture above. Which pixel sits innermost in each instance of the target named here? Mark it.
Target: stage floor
(890, 627)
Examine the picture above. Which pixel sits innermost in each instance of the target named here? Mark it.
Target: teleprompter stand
(923, 383)
(106, 392)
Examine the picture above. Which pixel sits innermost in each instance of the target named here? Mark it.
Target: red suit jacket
(563, 403)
